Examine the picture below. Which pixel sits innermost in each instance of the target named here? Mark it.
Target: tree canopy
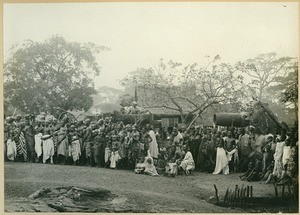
(217, 86)
(187, 89)
(49, 74)
(263, 71)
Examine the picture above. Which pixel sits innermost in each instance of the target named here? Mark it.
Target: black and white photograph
(150, 107)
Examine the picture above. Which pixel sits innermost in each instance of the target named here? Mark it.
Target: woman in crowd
(221, 158)
(278, 166)
(153, 147)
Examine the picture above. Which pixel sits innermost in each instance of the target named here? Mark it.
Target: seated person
(187, 164)
(150, 168)
(173, 161)
(146, 166)
(140, 166)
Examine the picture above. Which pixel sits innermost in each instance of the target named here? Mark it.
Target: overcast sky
(139, 34)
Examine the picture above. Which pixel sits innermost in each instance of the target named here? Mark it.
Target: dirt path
(143, 193)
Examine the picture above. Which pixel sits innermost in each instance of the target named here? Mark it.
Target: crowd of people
(102, 142)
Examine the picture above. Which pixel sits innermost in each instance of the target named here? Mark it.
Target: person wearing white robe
(38, 144)
(278, 166)
(48, 148)
(11, 149)
(153, 148)
(222, 159)
(114, 158)
(75, 150)
(150, 169)
(187, 164)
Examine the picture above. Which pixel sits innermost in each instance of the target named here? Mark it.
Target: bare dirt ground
(140, 193)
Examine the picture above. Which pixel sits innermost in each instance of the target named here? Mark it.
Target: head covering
(270, 136)
(18, 116)
(74, 138)
(9, 119)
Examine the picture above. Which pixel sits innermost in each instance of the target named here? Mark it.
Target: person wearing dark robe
(135, 146)
(97, 147)
(29, 137)
(244, 149)
(229, 146)
(202, 152)
(256, 157)
(62, 144)
(89, 143)
(195, 141)
(54, 130)
(20, 140)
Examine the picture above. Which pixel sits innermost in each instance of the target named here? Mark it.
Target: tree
(263, 71)
(287, 89)
(187, 89)
(53, 73)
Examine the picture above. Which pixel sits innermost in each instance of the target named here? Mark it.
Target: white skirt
(221, 162)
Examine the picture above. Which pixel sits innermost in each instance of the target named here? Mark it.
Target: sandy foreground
(138, 193)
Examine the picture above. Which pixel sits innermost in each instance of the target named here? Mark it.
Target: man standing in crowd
(153, 148)
(29, 137)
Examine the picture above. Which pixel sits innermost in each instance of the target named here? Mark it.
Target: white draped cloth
(153, 148)
(11, 149)
(221, 162)
(278, 166)
(230, 154)
(188, 162)
(106, 154)
(75, 150)
(48, 149)
(286, 155)
(149, 167)
(114, 157)
(38, 144)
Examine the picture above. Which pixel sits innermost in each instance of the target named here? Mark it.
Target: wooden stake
(238, 198)
(225, 197)
(244, 197)
(248, 191)
(230, 198)
(217, 195)
(235, 195)
(276, 190)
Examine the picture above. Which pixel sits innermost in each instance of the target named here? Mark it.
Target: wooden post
(232, 198)
(217, 195)
(229, 197)
(276, 190)
(244, 197)
(247, 197)
(248, 191)
(235, 195)
(238, 198)
(225, 197)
